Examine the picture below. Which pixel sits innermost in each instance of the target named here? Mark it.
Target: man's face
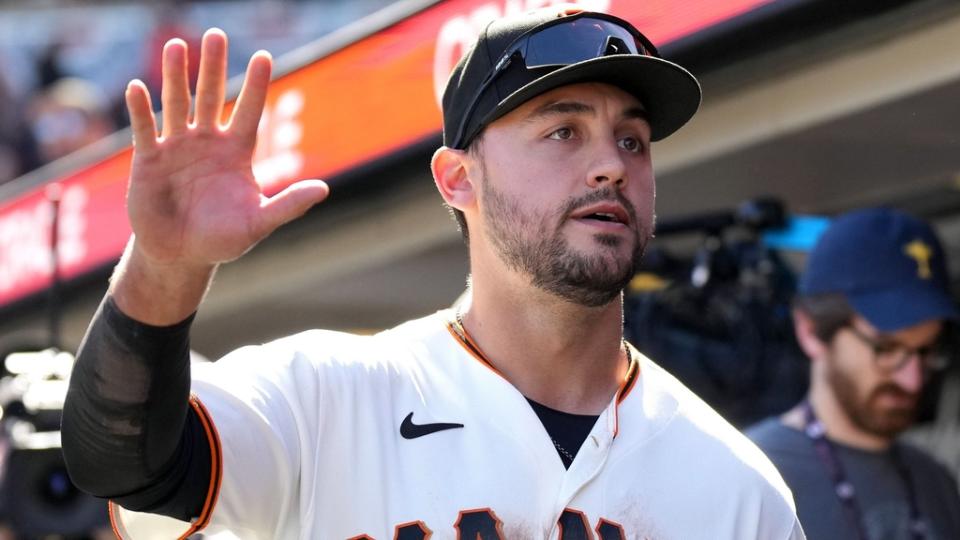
(567, 191)
(878, 401)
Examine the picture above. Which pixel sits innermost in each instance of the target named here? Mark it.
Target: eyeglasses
(566, 41)
(890, 357)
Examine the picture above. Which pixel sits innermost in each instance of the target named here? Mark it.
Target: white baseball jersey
(408, 435)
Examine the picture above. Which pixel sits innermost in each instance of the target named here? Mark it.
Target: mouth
(606, 213)
(898, 397)
(602, 216)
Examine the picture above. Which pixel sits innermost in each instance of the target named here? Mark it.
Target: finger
(212, 78)
(253, 94)
(175, 94)
(291, 203)
(142, 124)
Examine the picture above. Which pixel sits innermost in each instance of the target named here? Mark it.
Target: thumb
(291, 203)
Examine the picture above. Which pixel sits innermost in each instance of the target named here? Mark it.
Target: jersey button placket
(588, 464)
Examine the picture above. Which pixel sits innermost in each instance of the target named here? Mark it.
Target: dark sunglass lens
(578, 40)
(621, 35)
(615, 45)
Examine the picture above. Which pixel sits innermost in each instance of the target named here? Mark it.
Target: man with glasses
(872, 315)
(519, 414)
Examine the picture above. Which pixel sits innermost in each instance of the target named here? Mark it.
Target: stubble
(533, 244)
(865, 411)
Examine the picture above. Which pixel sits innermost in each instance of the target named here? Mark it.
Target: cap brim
(669, 94)
(890, 311)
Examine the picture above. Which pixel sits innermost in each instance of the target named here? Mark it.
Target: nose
(607, 166)
(911, 376)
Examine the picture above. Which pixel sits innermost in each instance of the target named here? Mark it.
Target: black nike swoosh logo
(409, 430)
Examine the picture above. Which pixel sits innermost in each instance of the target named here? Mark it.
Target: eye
(886, 349)
(561, 134)
(631, 144)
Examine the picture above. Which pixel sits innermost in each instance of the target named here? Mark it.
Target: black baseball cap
(519, 57)
(888, 264)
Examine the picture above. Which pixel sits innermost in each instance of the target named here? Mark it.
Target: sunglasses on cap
(562, 42)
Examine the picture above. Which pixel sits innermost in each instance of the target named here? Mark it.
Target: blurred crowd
(63, 66)
(61, 115)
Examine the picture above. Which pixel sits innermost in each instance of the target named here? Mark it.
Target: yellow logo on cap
(920, 252)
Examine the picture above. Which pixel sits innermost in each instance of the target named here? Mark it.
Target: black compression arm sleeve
(128, 431)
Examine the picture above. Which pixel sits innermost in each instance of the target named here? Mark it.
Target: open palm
(192, 198)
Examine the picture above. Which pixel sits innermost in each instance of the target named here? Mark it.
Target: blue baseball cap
(889, 265)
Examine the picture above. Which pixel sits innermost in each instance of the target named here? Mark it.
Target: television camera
(719, 318)
(37, 498)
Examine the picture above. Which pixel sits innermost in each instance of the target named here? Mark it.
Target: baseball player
(519, 414)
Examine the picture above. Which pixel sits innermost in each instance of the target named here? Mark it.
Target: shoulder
(698, 417)
(679, 438)
(789, 449)
(312, 356)
(333, 348)
(707, 439)
(772, 435)
(924, 464)
(426, 333)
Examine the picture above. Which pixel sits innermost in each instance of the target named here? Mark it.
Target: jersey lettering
(573, 526)
(412, 531)
(480, 524)
(608, 530)
(483, 524)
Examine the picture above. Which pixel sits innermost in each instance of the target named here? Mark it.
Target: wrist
(158, 293)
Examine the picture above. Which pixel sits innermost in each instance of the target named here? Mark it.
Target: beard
(866, 412)
(533, 243)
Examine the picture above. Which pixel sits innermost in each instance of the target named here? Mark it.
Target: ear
(449, 168)
(807, 338)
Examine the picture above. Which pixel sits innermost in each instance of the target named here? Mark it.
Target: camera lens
(57, 488)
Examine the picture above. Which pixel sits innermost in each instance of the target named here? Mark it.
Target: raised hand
(192, 199)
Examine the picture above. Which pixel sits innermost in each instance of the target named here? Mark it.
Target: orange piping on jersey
(113, 520)
(216, 475)
(361, 537)
(423, 528)
(629, 381)
(464, 339)
(216, 469)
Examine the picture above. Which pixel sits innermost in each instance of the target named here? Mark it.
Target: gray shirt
(881, 493)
